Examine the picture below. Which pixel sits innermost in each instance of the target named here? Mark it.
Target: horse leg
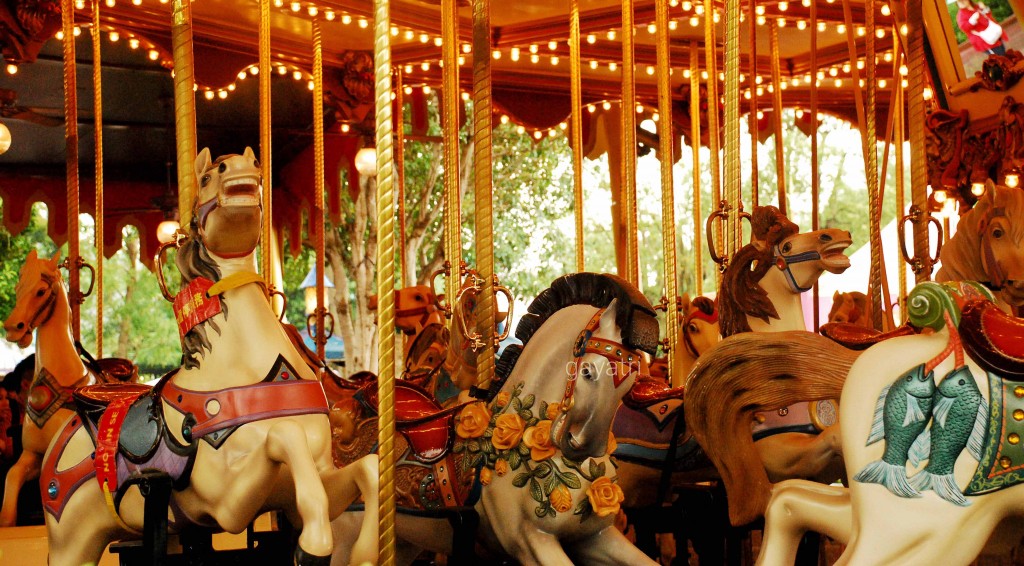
(343, 486)
(797, 455)
(609, 546)
(534, 547)
(85, 528)
(798, 506)
(24, 470)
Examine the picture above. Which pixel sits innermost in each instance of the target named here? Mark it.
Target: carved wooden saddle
(994, 339)
(856, 337)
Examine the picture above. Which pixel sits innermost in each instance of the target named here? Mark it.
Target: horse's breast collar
(1002, 457)
(46, 396)
(213, 415)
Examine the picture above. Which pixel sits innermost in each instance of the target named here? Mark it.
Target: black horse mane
(193, 260)
(634, 314)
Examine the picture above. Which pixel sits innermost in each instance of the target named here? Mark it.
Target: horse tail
(748, 373)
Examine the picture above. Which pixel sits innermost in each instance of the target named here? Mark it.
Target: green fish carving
(959, 419)
(901, 414)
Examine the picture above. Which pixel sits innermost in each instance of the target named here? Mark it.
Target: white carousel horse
(41, 304)
(930, 440)
(542, 444)
(241, 428)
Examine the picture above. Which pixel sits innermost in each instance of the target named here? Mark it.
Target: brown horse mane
(193, 260)
(634, 314)
(742, 295)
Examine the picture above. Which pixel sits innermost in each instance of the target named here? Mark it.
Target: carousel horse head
(778, 252)
(614, 325)
(700, 326)
(987, 245)
(39, 286)
(227, 214)
(851, 308)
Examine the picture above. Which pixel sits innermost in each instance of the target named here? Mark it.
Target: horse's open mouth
(23, 340)
(240, 191)
(833, 258)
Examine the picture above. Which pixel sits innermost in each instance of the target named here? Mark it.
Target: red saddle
(419, 418)
(856, 337)
(647, 392)
(94, 398)
(994, 339)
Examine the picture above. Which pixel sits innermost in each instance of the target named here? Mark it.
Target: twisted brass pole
(733, 168)
(901, 204)
(403, 278)
(450, 127)
(629, 145)
(265, 148)
(668, 202)
(97, 98)
(385, 279)
(576, 130)
(698, 241)
(482, 176)
(917, 68)
(71, 160)
(714, 128)
(317, 222)
(871, 168)
(184, 107)
(780, 160)
(815, 181)
(752, 117)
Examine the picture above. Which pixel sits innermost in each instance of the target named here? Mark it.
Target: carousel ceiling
(530, 74)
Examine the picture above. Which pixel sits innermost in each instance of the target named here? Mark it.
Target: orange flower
(605, 497)
(538, 438)
(502, 399)
(553, 410)
(561, 498)
(473, 421)
(508, 431)
(485, 476)
(612, 443)
(501, 467)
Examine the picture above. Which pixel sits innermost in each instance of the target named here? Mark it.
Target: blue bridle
(783, 261)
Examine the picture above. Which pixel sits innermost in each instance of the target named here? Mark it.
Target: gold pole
(184, 108)
(482, 177)
(265, 149)
(815, 181)
(752, 117)
(714, 130)
(71, 160)
(317, 222)
(385, 280)
(871, 168)
(400, 178)
(97, 98)
(916, 77)
(668, 202)
(629, 145)
(576, 130)
(450, 127)
(698, 241)
(733, 168)
(780, 161)
(901, 204)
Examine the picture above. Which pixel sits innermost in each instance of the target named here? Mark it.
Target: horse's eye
(997, 233)
(586, 373)
(39, 293)
(692, 328)
(223, 167)
(787, 247)
(840, 319)
(205, 180)
(256, 163)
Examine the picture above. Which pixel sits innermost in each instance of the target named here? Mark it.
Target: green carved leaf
(571, 480)
(532, 421)
(542, 470)
(593, 470)
(523, 449)
(540, 511)
(474, 446)
(600, 470)
(536, 492)
(514, 460)
(459, 447)
(550, 485)
(521, 479)
(529, 400)
(516, 404)
(580, 506)
(543, 408)
(525, 415)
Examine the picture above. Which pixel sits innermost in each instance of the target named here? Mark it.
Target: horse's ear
(990, 193)
(202, 162)
(835, 296)
(248, 154)
(32, 255)
(55, 260)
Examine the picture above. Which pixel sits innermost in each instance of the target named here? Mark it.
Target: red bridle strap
(624, 361)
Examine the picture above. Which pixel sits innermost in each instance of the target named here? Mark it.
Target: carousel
(718, 404)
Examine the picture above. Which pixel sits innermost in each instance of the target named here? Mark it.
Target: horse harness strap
(783, 261)
(624, 360)
(46, 396)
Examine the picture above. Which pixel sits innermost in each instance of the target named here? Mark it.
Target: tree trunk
(124, 326)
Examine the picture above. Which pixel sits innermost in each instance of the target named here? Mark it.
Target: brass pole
(815, 180)
(450, 126)
(871, 168)
(780, 160)
(317, 222)
(71, 161)
(399, 91)
(482, 178)
(901, 204)
(698, 241)
(576, 130)
(385, 279)
(629, 145)
(916, 78)
(668, 202)
(97, 97)
(184, 108)
(265, 148)
(733, 168)
(714, 129)
(752, 117)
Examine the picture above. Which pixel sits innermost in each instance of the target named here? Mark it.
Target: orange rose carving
(553, 410)
(501, 467)
(508, 431)
(502, 399)
(605, 497)
(485, 476)
(561, 498)
(473, 421)
(538, 438)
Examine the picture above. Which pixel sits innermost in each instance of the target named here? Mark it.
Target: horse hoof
(303, 558)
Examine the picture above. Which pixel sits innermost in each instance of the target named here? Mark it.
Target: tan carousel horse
(850, 308)
(533, 464)
(42, 306)
(240, 429)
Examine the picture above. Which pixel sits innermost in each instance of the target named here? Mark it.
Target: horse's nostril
(21, 325)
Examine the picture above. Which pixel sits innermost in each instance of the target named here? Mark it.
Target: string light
(593, 64)
(438, 42)
(114, 36)
(534, 48)
(209, 95)
(222, 94)
(12, 69)
(613, 66)
(591, 38)
(606, 105)
(885, 10)
(552, 45)
(363, 23)
(514, 54)
(535, 58)
(554, 60)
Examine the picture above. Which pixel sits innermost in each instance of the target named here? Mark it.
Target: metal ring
(443, 303)
(711, 235)
(475, 339)
(271, 292)
(938, 239)
(508, 317)
(160, 268)
(92, 281)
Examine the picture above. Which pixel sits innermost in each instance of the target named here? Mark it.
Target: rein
(624, 360)
(783, 261)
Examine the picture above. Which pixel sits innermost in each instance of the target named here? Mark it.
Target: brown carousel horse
(42, 306)
(241, 428)
(850, 308)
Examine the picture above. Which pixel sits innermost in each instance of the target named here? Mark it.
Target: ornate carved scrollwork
(1000, 72)
(25, 25)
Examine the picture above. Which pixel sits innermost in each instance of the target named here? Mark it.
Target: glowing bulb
(535, 58)
(425, 65)
(783, 6)
(886, 11)
(611, 35)
(977, 188)
(295, 6)
(329, 15)
(781, 22)
(209, 95)
(840, 28)
(940, 196)
(313, 11)
(1012, 180)
(345, 128)
(465, 96)
(801, 25)
(591, 38)
(514, 54)
(552, 45)
(822, 26)
(310, 85)
(242, 75)
(363, 23)
(282, 70)
(534, 48)
(114, 36)
(613, 66)
(77, 31)
(537, 135)
(591, 108)
(761, 20)
(426, 89)
(297, 75)
(222, 94)
(231, 87)
(504, 119)
(695, 21)
(554, 60)
(347, 19)
(133, 43)
(438, 42)
(496, 54)
(593, 64)
(650, 70)
(652, 29)
(861, 31)
(880, 33)
(927, 94)
(424, 38)
(606, 105)
(12, 69)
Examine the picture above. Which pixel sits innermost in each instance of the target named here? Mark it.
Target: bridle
(49, 304)
(624, 360)
(784, 261)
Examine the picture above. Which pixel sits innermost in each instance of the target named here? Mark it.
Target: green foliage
(14, 249)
